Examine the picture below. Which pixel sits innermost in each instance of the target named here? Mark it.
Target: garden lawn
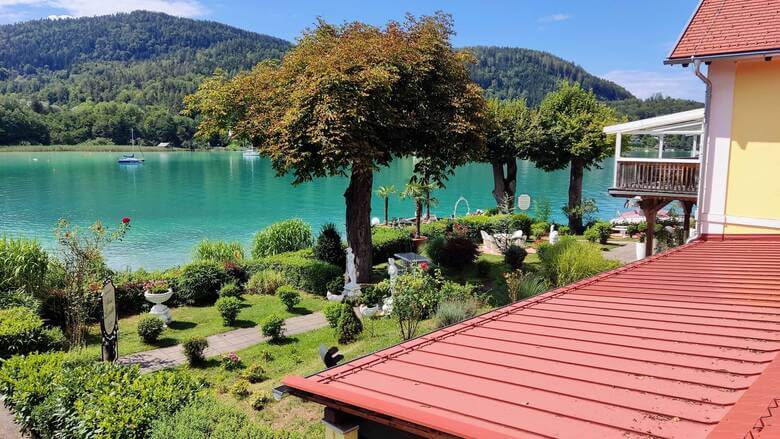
(202, 321)
(298, 356)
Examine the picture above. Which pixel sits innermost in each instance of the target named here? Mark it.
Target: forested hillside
(510, 72)
(93, 79)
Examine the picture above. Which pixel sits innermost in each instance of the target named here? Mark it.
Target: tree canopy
(349, 99)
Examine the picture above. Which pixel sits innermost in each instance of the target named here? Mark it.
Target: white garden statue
(553, 234)
(392, 272)
(351, 287)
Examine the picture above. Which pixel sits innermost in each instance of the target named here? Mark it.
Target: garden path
(219, 344)
(8, 428)
(626, 253)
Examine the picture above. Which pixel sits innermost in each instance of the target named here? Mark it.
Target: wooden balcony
(678, 178)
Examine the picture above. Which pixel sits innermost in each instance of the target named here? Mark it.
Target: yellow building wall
(753, 189)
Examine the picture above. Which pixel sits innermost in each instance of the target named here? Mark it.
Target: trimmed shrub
(386, 242)
(150, 327)
(265, 282)
(452, 252)
(332, 313)
(284, 236)
(329, 247)
(228, 308)
(231, 361)
(503, 223)
(273, 327)
(193, 350)
(19, 298)
(22, 332)
(524, 285)
(255, 373)
(450, 312)
(207, 418)
(454, 291)
(570, 260)
(54, 395)
(540, 229)
(350, 326)
(130, 290)
(219, 251)
(230, 289)
(23, 265)
(599, 232)
(300, 271)
(375, 294)
(435, 229)
(514, 256)
(240, 389)
(289, 296)
(200, 282)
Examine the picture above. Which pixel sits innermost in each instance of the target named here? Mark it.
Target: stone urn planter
(369, 311)
(160, 310)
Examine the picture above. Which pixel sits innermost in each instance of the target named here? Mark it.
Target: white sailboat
(131, 159)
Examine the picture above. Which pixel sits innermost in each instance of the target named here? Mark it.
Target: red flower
(424, 265)
(126, 220)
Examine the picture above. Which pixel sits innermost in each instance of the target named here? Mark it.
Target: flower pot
(160, 310)
(418, 242)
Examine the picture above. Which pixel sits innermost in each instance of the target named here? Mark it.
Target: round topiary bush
(350, 326)
(289, 296)
(193, 350)
(273, 327)
(265, 282)
(284, 236)
(332, 313)
(514, 256)
(150, 327)
(230, 289)
(199, 282)
(328, 247)
(599, 232)
(228, 308)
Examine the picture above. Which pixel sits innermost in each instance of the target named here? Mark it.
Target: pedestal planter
(160, 310)
(418, 242)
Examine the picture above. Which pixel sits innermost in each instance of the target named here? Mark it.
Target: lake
(176, 199)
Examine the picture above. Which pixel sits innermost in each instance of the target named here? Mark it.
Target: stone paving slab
(220, 344)
(8, 427)
(625, 254)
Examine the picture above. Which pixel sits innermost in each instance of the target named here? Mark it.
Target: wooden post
(339, 425)
(650, 207)
(687, 208)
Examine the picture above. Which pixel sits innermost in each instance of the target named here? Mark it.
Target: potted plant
(421, 194)
(157, 292)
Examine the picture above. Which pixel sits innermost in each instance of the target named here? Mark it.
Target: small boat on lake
(251, 152)
(131, 159)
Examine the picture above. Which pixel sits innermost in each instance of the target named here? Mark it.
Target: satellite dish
(330, 357)
(524, 202)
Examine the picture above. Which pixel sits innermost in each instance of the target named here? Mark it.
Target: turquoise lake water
(179, 198)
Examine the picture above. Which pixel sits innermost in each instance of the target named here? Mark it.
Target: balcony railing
(671, 176)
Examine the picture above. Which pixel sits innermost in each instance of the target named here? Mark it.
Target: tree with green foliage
(384, 193)
(509, 128)
(420, 193)
(571, 121)
(349, 99)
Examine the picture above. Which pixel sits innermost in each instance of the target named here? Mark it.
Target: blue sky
(621, 40)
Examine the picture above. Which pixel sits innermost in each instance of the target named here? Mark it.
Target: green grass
(298, 356)
(202, 321)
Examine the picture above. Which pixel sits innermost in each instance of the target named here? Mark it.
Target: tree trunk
(387, 205)
(505, 184)
(358, 202)
(418, 215)
(575, 195)
(428, 205)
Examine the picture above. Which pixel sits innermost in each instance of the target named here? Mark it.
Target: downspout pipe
(704, 146)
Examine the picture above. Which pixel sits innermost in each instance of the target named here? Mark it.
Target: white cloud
(676, 82)
(81, 8)
(59, 17)
(555, 18)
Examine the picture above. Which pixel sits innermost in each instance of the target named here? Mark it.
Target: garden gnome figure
(392, 271)
(351, 287)
(553, 234)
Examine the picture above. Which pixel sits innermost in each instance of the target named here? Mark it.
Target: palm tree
(421, 194)
(385, 192)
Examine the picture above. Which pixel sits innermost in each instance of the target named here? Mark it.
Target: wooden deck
(675, 178)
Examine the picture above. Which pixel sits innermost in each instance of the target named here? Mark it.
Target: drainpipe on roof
(703, 148)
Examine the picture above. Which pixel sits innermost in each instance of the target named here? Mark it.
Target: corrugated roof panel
(666, 347)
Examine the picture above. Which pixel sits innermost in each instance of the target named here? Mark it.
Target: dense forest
(93, 79)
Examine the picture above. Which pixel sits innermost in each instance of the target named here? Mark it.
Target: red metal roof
(670, 346)
(730, 27)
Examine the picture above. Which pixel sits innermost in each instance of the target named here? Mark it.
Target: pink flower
(424, 266)
(126, 220)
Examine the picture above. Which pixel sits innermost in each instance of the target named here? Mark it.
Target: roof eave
(724, 56)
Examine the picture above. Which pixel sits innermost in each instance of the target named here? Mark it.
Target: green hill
(94, 78)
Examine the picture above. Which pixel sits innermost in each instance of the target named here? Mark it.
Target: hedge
(386, 242)
(299, 269)
(22, 332)
(23, 264)
(55, 395)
